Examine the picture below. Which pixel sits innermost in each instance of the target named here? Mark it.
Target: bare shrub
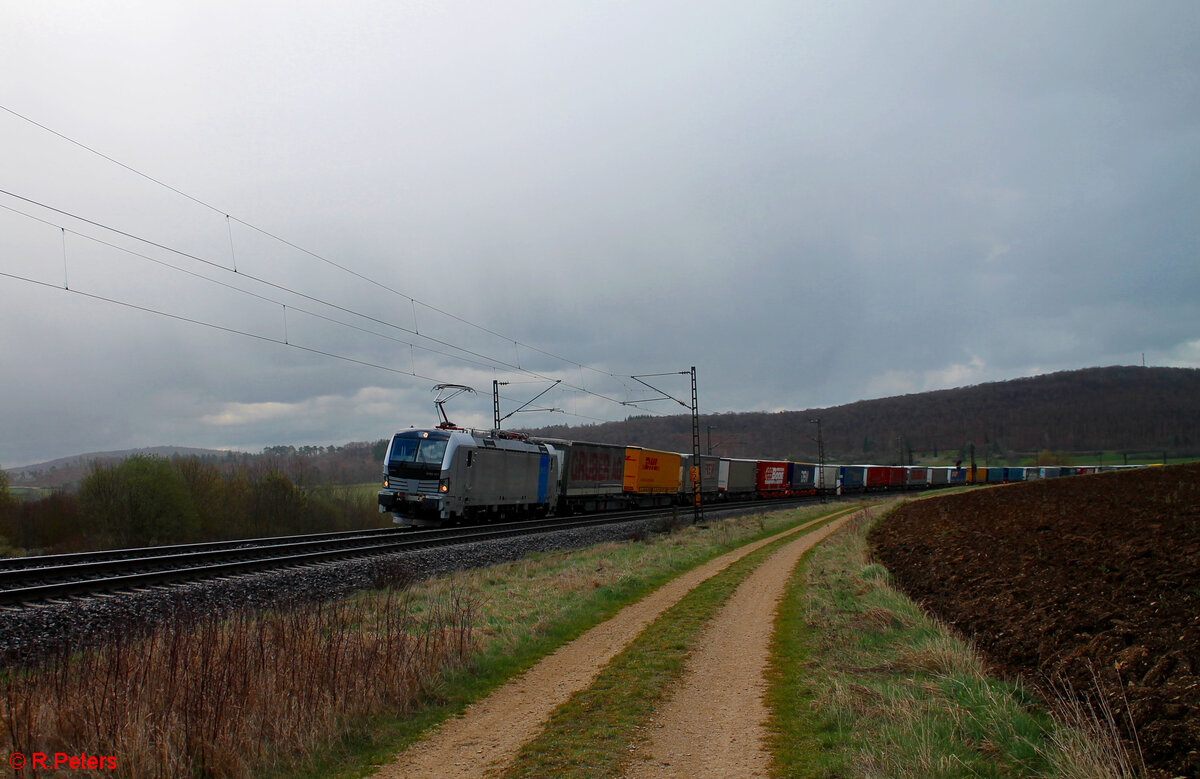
(234, 697)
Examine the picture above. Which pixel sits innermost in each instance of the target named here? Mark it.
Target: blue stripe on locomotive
(543, 477)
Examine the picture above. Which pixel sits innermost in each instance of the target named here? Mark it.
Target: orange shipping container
(650, 472)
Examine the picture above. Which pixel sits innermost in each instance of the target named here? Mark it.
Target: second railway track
(34, 579)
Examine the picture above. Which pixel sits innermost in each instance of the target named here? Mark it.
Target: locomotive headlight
(385, 482)
(444, 485)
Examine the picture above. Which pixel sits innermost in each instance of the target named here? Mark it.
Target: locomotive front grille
(424, 487)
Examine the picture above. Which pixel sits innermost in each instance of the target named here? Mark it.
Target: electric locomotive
(435, 476)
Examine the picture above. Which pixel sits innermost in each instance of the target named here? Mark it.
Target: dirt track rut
(715, 723)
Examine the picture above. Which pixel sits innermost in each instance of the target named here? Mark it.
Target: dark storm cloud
(812, 203)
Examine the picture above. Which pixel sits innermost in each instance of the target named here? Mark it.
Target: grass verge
(863, 683)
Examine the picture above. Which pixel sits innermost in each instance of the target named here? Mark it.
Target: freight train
(447, 474)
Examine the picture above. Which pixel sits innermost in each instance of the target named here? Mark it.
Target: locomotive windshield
(418, 454)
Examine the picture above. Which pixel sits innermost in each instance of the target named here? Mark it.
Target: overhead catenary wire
(239, 290)
(203, 323)
(286, 341)
(290, 244)
(488, 360)
(66, 285)
(235, 331)
(229, 219)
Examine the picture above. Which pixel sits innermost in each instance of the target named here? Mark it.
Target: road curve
(486, 737)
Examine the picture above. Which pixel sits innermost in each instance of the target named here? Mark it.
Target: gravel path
(487, 736)
(714, 724)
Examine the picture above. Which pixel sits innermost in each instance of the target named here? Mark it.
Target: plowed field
(1090, 579)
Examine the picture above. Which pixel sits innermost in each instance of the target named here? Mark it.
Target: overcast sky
(813, 203)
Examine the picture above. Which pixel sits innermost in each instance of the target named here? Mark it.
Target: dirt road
(712, 727)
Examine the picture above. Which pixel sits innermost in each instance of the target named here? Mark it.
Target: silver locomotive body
(441, 475)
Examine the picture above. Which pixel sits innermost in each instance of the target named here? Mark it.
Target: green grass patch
(30, 493)
(863, 683)
(794, 727)
(367, 493)
(523, 611)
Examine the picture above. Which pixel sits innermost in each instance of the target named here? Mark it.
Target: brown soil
(1091, 580)
(483, 741)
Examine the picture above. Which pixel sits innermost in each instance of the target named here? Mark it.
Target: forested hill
(1119, 409)
(1147, 411)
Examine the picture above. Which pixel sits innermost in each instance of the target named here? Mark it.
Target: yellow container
(651, 472)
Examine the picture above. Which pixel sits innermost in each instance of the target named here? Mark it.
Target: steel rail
(90, 577)
(45, 561)
(24, 586)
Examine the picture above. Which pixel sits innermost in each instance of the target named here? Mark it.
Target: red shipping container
(770, 478)
(876, 478)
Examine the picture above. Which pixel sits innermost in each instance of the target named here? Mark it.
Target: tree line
(1130, 409)
(147, 501)
(306, 466)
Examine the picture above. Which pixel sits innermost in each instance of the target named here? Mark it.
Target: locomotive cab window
(417, 454)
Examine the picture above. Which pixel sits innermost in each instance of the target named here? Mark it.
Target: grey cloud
(812, 203)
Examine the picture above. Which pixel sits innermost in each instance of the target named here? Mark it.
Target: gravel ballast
(28, 633)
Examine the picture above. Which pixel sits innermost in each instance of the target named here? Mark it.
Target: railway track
(30, 580)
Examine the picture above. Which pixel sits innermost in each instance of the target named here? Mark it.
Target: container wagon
(827, 477)
(771, 478)
(876, 477)
(741, 482)
(852, 478)
(915, 478)
(803, 479)
(651, 476)
(593, 475)
(710, 477)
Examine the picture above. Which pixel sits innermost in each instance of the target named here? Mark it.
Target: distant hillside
(1131, 410)
(352, 463)
(153, 451)
(1119, 409)
(67, 470)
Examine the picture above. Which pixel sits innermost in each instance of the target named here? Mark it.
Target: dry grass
(892, 693)
(940, 654)
(234, 697)
(1090, 747)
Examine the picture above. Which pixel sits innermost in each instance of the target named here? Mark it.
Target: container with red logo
(651, 472)
(915, 477)
(710, 475)
(770, 478)
(593, 475)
